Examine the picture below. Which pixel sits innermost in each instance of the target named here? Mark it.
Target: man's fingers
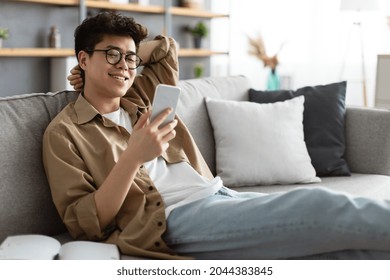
(143, 120)
(76, 70)
(161, 117)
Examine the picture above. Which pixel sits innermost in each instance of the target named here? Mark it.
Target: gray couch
(26, 205)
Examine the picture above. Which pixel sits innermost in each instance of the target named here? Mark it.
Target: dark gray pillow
(323, 120)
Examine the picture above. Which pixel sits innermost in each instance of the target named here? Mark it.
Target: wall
(316, 36)
(29, 26)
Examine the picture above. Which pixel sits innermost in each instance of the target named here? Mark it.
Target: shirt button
(159, 224)
(157, 244)
(150, 188)
(158, 203)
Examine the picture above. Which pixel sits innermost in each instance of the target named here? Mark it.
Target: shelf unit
(26, 52)
(149, 9)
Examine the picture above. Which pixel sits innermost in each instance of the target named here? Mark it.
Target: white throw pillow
(260, 144)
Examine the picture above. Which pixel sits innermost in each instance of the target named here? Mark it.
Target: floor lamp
(358, 6)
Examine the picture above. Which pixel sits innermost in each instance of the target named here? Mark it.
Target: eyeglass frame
(121, 56)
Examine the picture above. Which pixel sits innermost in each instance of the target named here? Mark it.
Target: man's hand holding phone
(156, 128)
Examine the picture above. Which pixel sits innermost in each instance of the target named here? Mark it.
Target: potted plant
(198, 32)
(198, 70)
(4, 34)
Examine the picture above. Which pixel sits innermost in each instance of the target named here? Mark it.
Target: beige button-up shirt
(80, 147)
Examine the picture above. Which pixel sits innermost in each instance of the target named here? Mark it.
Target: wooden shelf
(35, 52)
(179, 11)
(198, 52)
(126, 7)
(51, 2)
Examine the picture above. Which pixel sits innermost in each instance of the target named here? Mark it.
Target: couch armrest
(368, 140)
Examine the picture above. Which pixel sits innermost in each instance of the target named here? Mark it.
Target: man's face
(103, 80)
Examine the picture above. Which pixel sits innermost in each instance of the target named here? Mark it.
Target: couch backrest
(192, 108)
(25, 199)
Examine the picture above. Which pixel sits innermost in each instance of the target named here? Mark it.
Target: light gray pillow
(260, 144)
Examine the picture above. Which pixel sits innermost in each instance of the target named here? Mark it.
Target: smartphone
(165, 96)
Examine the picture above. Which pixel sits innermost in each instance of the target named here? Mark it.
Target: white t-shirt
(178, 183)
(120, 117)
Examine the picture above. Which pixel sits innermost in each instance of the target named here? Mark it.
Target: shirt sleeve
(72, 187)
(163, 68)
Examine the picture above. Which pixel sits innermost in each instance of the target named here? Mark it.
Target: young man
(119, 178)
(97, 150)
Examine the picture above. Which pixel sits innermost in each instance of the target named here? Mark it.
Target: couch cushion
(24, 191)
(260, 143)
(323, 124)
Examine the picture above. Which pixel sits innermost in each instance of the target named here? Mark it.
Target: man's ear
(82, 58)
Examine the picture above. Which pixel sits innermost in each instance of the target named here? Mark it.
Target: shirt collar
(130, 106)
(86, 112)
(132, 109)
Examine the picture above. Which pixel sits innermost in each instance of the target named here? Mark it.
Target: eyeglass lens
(114, 57)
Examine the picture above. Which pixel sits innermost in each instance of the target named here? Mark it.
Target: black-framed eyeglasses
(114, 56)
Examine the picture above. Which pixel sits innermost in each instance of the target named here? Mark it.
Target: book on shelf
(42, 247)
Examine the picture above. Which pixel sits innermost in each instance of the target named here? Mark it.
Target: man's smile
(119, 77)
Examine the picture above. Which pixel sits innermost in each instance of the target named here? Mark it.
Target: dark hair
(91, 31)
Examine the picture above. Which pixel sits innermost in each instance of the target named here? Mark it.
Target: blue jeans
(302, 223)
